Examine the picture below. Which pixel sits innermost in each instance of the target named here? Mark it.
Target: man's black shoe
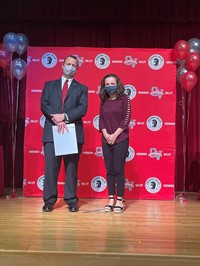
(47, 208)
(73, 208)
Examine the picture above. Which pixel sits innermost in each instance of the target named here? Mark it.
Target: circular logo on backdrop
(40, 182)
(130, 155)
(42, 121)
(96, 122)
(130, 91)
(153, 185)
(154, 123)
(156, 62)
(49, 60)
(102, 61)
(98, 183)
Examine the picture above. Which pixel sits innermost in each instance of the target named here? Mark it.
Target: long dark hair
(120, 88)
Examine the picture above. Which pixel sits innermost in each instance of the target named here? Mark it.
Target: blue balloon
(23, 42)
(10, 40)
(19, 67)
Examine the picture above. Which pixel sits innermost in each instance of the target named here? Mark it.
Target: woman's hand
(111, 139)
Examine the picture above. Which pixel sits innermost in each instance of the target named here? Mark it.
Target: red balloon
(192, 61)
(174, 55)
(5, 56)
(182, 49)
(189, 80)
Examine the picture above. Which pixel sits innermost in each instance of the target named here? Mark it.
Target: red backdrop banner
(149, 77)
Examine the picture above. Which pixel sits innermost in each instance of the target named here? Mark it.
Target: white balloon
(19, 67)
(194, 45)
(180, 71)
(10, 40)
(23, 42)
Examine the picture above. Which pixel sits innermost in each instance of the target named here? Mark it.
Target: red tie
(64, 91)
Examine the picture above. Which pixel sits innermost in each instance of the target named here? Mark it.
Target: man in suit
(60, 110)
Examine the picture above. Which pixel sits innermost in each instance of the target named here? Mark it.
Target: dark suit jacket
(75, 106)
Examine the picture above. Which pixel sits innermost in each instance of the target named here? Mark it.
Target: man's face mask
(111, 89)
(69, 70)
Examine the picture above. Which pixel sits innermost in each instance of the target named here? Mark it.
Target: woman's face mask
(111, 89)
(69, 70)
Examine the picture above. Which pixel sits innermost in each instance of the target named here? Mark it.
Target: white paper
(65, 143)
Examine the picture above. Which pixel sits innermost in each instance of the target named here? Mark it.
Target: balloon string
(185, 119)
(13, 122)
(11, 98)
(15, 139)
(185, 131)
(184, 136)
(8, 104)
(188, 111)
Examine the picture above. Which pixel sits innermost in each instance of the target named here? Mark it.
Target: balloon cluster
(187, 56)
(13, 43)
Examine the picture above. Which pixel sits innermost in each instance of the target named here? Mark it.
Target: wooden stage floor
(148, 232)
